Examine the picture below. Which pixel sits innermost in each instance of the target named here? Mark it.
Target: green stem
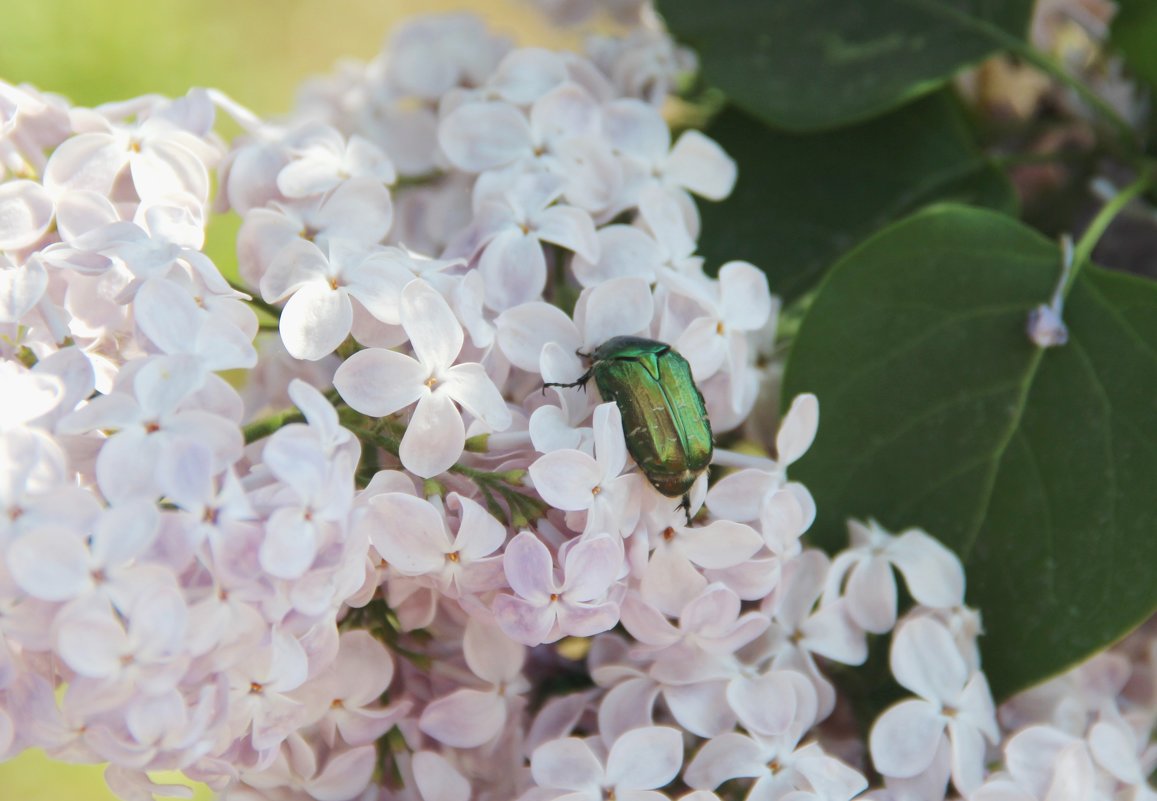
(1084, 248)
(259, 429)
(425, 179)
(256, 301)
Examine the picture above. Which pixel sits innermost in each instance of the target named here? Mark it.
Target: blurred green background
(259, 51)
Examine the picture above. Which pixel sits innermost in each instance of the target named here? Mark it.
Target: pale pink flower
(777, 762)
(672, 575)
(414, 538)
(932, 573)
(802, 627)
(469, 717)
(322, 158)
(575, 482)
(562, 135)
(954, 703)
(358, 211)
(510, 229)
(640, 761)
(380, 382)
(695, 164)
(362, 671)
(320, 284)
(428, 56)
(546, 608)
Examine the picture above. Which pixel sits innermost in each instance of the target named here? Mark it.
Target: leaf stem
(1084, 248)
(259, 429)
(257, 302)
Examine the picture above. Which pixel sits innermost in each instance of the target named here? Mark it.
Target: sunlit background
(258, 51)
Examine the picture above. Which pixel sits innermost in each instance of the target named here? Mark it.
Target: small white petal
(465, 718)
(431, 325)
(290, 544)
(435, 437)
(621, 306)
(482, 136)
(50, 564)
(698, 164)
(924, 658)
(529, 568)
(904, 739)
(315, 321)
(745, 300)
(25, 213)
(566, 479)
(409, 533)
(644, 759)
(567, 764)
(345, 776)
(380, 382)
(437, 779)
(932, 572)
(798, 429)
(513, 269)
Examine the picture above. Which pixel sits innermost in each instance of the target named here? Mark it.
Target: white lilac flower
(932, 573)
(953, 703)
(469, 716)
(575, 482)
(640, 761)
(412, 535)
(545, 608)
(510, 230)
(380, 382)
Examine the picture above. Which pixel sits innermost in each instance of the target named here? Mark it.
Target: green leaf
(1134, 33)
(811, 64)
(1036, 466)
(802, 200)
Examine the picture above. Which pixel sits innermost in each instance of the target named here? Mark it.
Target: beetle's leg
(685, 505)
(582, 382)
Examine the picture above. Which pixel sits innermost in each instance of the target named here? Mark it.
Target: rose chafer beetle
(664, 419)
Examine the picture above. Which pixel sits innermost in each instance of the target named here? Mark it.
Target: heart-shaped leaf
(811, 64)
(802, 200)
(1036, 466)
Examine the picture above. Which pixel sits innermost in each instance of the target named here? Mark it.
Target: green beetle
(664, 420)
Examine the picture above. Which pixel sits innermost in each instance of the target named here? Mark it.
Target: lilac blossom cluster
(429, 578)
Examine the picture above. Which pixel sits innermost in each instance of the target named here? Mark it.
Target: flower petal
(529, 568)
(567, 764)
(25, 213)
(697, 163)
(431, 325)
(435, 437)
(932, 572)
(904, 739)
(379, 382)
(409, 533)
(482, 136)
(925, 659)
(473, 390)
(644, 759)
(315, 321)
(345, 776)
(465, 718)
(566, 479)
(438, 779)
